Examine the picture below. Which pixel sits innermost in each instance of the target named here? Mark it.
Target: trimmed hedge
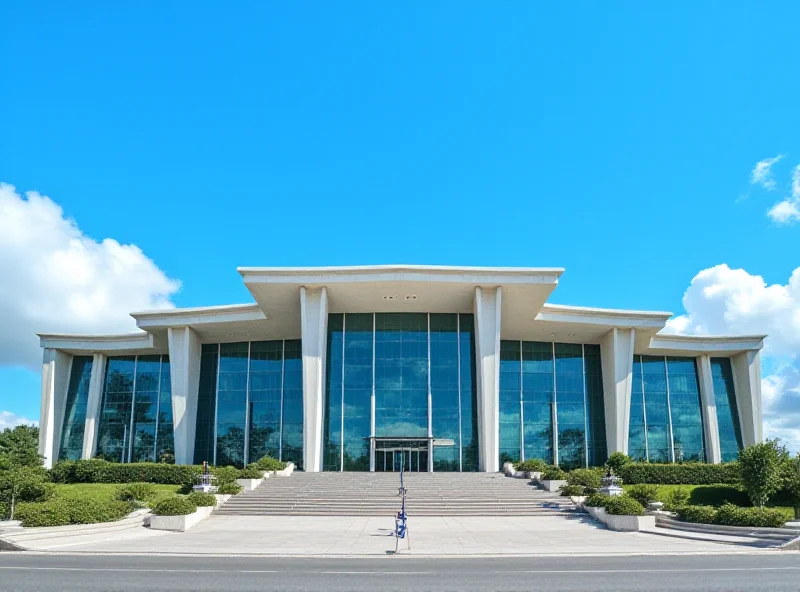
(697, 514)
(198, 498)
(623, 505)
(101, 471)
(61, 511)
(589, 479)
(571, 490)
(225, 474)
(531, 465)
(135, 492)
(251, 472)
(230, 488)
(731, 515)
(177, 505)
(643, 493)
(596, 500)
(554, 474)
(267, 463)
(680, 474)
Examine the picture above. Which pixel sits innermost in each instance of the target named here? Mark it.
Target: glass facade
(549, 389)
(71, 447)
(136, 410)
(400, 375)
(666, 422)
(730, 432)
(250, 403)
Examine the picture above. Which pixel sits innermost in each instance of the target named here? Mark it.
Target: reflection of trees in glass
(143, 447)
(230, 448)
(260, 444)
(571, 448)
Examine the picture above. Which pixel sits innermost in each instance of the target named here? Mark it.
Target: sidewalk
(573, 534)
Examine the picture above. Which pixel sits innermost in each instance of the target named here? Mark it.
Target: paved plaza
(372, 536)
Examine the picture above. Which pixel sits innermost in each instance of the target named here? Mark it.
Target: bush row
(619, 505)
(101, 471)
(731, 515)
(62, 511)
(679, 474)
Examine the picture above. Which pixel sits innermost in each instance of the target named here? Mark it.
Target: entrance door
(391, 455)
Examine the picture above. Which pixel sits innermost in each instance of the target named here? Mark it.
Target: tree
(21, 445)
(617, 460)
(761, 466)
(791, 483)
(22, 476)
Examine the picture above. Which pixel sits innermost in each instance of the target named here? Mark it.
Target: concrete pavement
(767, 572)
(568, 534)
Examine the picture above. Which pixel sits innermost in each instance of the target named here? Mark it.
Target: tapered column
(616, 352)
(709, 405)
(488, 303)
(314, 328)
(747, 383)
(55, 381)
(93, 403)
(184, 362)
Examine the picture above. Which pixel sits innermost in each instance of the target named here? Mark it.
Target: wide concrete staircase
(375, 494)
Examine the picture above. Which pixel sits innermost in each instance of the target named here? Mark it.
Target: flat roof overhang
(118, 345)
(398, 288)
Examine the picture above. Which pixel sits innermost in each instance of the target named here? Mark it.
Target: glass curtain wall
(71, 447)
(136, 410)
(549, 389)
(666, 423)
(250, 403)
(401, 375)
(730, 432)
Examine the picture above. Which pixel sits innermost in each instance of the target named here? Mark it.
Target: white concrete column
(93, 402)
(314, 333)
(747, 383)
(488, 303)
(616, 353)
(709, 405)
(184, 363)
(55, 381)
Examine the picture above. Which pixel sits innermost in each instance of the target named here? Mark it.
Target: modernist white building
(371, 368)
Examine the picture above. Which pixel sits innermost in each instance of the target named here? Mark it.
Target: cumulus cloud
(9, 420)
(55, 279)
(787, 211)
(762, 172)
(721, 300)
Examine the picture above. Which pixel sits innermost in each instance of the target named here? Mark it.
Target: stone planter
(534, 475)
(249, 484)
(553, 485)
(509, 470)
(621, 523)
(180, 523)
(285, 472)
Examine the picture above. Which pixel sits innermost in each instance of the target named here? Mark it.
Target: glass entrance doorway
(392, 455)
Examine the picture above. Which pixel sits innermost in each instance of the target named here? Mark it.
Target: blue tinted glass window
(231, 404)
(72, 430)
(165, 442)
(730, 433)
(114, 430)
(292, 413)
(266, 386)
(685, 410)
(510, 401)
(206, 404)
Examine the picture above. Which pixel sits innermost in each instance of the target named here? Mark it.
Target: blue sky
(615, 140)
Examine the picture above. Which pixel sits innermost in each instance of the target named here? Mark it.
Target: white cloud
(762, 172)
(9, 420)
(55, 279)
(787, 211)
(721, 300)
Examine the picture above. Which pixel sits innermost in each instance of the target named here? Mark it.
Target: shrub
(697, 514)
(251, 472)
(623, 505)
(761, 469)
(131, 492)
(177, 505)
(62, 511)
(571, 490)
(225, 474)
(617, 460)
(676, 498)
(531, 465)
(267, 463)
(596, 500)
(716, 495)
(791, 484)
(231, 488)
(730, 515)
(643, 493)
(553, 474)
(101, 471)
(589, 479)
(679, 474)
(200, 499)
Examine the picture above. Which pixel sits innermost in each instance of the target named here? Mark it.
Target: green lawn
(714, 495)
(105, 491)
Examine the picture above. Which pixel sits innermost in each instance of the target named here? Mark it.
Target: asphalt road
(44, 573)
